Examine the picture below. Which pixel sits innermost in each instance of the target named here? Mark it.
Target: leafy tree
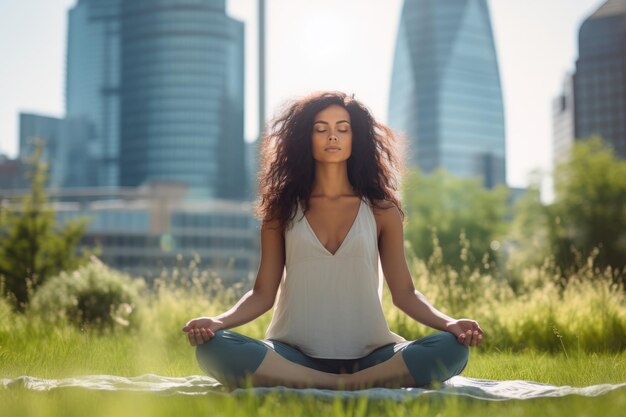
(588, 216)
(466, 218)
(528, 233)
(32, 247)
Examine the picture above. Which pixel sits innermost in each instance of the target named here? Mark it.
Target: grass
(68, 352)
(562, 336)
(71, 403)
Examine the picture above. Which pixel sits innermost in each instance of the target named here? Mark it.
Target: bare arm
(403, 293)
(256, 301)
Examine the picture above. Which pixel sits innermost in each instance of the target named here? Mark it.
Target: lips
(332, 148)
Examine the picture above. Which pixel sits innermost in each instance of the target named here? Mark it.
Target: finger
(190, 325)
(204, 333)
(477, 327)
(192, 339)
(480, 339)
(197, 337)
(468, 338)
(475, 338)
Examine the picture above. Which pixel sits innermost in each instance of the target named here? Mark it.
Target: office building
(563, 117)
(92, 85)
(64, 148)
(445, 93)
(600, 79)
(12, 173)
(152, 228)
(182, 96)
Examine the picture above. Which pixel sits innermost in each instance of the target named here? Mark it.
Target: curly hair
(288, 168)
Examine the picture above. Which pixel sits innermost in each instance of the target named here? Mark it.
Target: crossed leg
(234, 356)
(276, 370)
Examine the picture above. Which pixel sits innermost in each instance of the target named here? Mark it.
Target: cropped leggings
(230, 357)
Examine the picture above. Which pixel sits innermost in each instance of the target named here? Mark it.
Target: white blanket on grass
(201, 385)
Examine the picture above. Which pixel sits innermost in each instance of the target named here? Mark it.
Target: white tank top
(329, 306)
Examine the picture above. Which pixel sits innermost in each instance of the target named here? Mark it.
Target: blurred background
(148, 113)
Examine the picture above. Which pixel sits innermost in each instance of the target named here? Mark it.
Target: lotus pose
(329, 210)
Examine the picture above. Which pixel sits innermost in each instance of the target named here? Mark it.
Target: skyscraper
(92, 85)
(445, 89)
(600, 79)
(563, 117)
(182, 96)
(63, 148)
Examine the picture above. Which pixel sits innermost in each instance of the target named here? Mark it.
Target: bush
(93, 296)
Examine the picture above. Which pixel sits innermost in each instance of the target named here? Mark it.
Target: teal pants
(230, 357)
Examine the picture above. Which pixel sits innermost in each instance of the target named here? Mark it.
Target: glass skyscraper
(445, 93)
(600, 79)
(92, 85)
(182, 96)
(64, 148)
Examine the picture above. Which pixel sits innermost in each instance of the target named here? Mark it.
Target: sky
(315, 45)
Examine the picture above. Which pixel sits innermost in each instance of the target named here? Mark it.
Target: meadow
(538, 327)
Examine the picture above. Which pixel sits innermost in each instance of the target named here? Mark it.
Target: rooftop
(610, 8)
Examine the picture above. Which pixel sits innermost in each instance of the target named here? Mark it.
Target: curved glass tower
(182, 96)
(445, 91)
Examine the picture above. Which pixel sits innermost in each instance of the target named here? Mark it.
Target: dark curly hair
(288, 168)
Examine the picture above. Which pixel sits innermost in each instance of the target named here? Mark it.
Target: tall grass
(540, 310)
(588, 314)
(539, 329)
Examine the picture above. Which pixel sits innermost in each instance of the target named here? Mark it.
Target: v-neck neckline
(341, 245)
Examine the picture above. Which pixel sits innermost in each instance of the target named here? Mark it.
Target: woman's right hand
(201, 329)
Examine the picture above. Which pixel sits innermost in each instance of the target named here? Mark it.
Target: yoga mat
(482, 389)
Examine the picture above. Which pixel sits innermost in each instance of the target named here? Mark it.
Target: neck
(331, 180)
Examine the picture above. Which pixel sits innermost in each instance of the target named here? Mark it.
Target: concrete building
(150, 228)
(563, 118)
(593, 101)
(600, 79)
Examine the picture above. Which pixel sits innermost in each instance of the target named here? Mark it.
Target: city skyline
(336, 43)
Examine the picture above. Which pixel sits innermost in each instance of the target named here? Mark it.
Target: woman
(329, 211)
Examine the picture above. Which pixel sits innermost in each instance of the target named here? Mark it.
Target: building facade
(92, 85)
(600, 79)
(152, 228)
(182, 96)
(445, 93)
(12, 173)
(563, 117)
(64, 148)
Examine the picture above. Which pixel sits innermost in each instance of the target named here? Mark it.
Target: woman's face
(331, 139)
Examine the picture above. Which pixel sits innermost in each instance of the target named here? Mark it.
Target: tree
(588, 216)
(466, 217)
(527, 236)
(32, 247)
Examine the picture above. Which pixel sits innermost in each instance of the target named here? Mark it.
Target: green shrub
(6, 315)
(93, 296)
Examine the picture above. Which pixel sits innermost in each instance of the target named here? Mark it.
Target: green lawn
(574, 337)
(65, 352)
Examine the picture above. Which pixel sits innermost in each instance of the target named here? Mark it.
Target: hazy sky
(319, 45)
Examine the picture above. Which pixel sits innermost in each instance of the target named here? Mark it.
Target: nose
(332, 137)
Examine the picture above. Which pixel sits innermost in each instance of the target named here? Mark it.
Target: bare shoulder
(270, 225)
(387, 214)
(385, 208)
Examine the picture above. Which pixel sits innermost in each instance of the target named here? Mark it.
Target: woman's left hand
(467, 331)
